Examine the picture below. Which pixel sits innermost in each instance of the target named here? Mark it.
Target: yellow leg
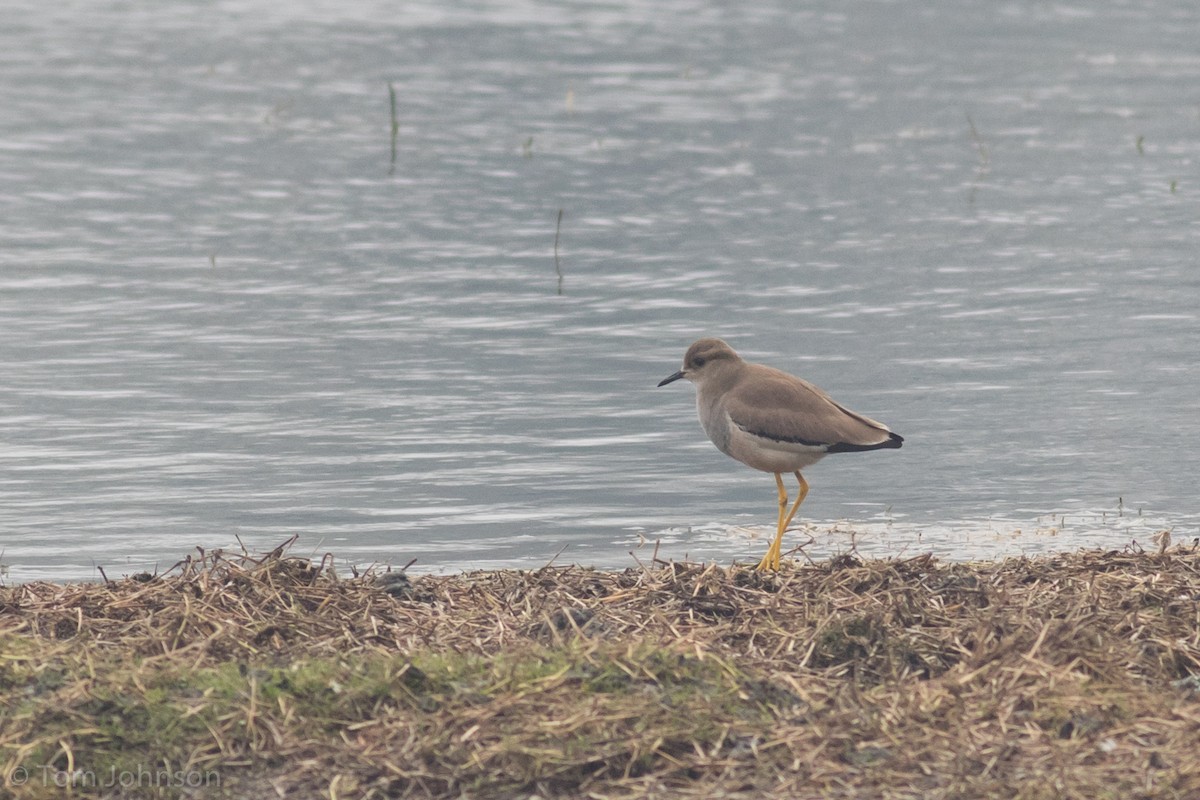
(799, 499)
(771, 560)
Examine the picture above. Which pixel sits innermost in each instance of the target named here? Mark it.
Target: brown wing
(784, 408)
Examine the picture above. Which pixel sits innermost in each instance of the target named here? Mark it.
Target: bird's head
(703, 359)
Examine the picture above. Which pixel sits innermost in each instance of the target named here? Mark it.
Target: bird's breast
(715, 421)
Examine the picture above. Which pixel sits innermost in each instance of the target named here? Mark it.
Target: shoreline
(1070, 675)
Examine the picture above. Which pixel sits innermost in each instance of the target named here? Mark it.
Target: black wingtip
(893, 441)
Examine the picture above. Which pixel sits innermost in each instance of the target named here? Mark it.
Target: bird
(773, 421)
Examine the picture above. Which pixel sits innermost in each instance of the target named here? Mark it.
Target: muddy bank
(236, 675)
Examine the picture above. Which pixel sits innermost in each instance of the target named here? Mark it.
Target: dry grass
(1075, 676)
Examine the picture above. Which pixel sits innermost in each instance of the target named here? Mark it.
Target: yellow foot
(770, 561)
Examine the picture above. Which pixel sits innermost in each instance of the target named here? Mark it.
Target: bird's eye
(698, 361)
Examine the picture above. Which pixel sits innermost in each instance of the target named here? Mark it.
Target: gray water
(228, 313)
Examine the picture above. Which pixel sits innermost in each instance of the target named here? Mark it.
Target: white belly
(769, 455)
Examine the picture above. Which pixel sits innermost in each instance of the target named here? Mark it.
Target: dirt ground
(1072, 676)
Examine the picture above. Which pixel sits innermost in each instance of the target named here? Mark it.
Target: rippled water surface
(231, 307)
